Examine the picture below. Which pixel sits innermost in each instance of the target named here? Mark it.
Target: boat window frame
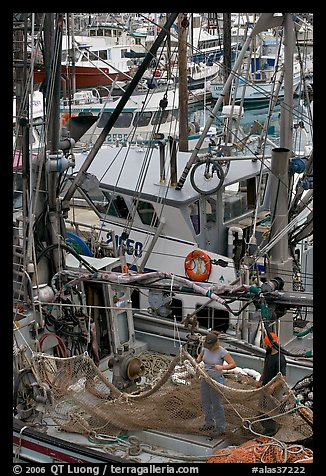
(93, 55)
(123, 116)
(246, 194)
(154, 221)
(139, 116)
(113, 206)
(164, 114)
(103, 54)
(123, 52)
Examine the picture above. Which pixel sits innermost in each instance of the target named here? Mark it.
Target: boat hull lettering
(116, 137)
(132, 247)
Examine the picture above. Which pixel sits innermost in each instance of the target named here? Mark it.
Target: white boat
(149, 116)
(264, 72)
(252, 92)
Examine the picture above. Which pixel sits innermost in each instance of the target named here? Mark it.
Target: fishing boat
(149, 115)
(98, 58)
(107, 325)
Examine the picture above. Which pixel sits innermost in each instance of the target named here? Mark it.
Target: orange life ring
(198, 265)
(64, 118)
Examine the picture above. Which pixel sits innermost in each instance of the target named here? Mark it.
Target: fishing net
(85, 401)
(263, 450)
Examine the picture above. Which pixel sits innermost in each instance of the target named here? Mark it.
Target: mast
(183, 82)
(73, 55)
(226, 53)
(20, 74)
(279, 256)
(286, 130)
(22, 126)
(54, 155)
(280, 263)
(168, 54)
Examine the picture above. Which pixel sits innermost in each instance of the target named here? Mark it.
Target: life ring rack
(194, 265)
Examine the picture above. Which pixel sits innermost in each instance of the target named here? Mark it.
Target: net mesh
(85, 401)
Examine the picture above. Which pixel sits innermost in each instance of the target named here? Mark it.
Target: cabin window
(103, 54)
(85, 56)
(123, 120)
(93, 55)
(121, 206)
(108, 204)
(212, 318)
(147, 213)
(142, 119)
(239, 198)
(194, 213)
(105, 116)
(123, 53)
(160, 117)
(263, 187)
(169, 116)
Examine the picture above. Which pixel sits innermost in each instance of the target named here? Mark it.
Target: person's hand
(219, 367)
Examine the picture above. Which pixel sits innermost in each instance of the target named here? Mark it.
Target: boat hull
(30, 445)
(253, 93)
(86, 77)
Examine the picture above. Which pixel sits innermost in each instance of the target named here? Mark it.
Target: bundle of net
(85, 401)
(263, 450)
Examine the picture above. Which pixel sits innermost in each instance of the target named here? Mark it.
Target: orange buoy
(198, 265)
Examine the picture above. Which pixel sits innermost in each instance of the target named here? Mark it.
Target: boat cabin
(159, 226)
